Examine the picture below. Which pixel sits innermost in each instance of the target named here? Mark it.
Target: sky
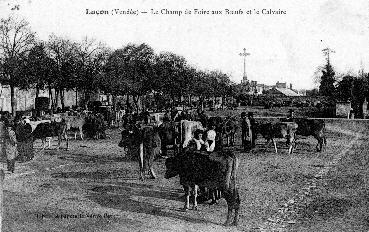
(283, 47)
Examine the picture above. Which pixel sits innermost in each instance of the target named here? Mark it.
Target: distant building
(25, 99)
(281, 85)
(282, 92)
(280, 88)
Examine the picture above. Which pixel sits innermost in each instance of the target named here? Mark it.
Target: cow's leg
(213, 193)
(319, 146)
(195, 190)
(141, 158)
(81, 133)
(150, 161)
(67, 140)
(59, 140)
(236, 217)
(229, 217)
(275, 146)
(187, 194)
(290, 149)
(43, 140)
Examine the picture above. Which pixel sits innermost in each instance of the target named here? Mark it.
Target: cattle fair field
(93, 187)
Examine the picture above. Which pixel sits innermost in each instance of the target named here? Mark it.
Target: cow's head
(130, 135)
(172, 167)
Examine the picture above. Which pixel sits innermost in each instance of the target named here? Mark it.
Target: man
(25, 142)
(251, 118)
(246, 132)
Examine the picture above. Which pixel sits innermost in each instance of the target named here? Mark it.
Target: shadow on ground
(122, 198)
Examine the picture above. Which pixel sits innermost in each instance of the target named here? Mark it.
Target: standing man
(251, 118)
(25, 141)
(246, 132)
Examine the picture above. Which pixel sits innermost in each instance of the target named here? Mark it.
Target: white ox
(188, 129)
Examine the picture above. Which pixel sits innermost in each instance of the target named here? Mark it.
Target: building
(282, 92)
(25, 99)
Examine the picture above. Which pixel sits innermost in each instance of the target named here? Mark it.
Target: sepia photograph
(168, 115)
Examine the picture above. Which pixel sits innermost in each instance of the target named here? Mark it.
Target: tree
(344, 88)
(41, 68)
(63, 53)
(91, 58)
(327, 81)
(174, 74)
(16, 40)
(130, 71)
(220, 84)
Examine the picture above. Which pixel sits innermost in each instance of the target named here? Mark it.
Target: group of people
(16, 141)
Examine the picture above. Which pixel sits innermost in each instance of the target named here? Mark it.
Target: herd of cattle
(87, 124)
(149, 138)
(214, 171)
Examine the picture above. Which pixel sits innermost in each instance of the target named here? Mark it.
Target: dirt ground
(92, 187)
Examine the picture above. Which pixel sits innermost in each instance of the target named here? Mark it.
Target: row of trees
(87, 66)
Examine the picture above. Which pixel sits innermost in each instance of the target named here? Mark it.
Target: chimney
(290, 85)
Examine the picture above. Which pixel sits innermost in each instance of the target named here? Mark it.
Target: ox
(216, 171)
(230, 127)
(145, 139)
(50, 129)
(312, 127)
(169, 137)
(75, 122)
(95, 126)
(271, 131)
(188, 129)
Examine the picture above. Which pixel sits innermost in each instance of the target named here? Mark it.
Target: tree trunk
(76, 97)
(135, 101)
(128, 106)
(56, 99)
(173, 100)
(223, 97)
(13, 101)
(62, 98)
(2, 177)
(51, 98)
(37, 91)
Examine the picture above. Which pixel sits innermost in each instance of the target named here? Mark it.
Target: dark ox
(312, 127)
(230, 127)
(51, 129)
(224, 126)
(217, 171)
(94, 126)
(271, 131)
(168, 132)
(147, 142)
